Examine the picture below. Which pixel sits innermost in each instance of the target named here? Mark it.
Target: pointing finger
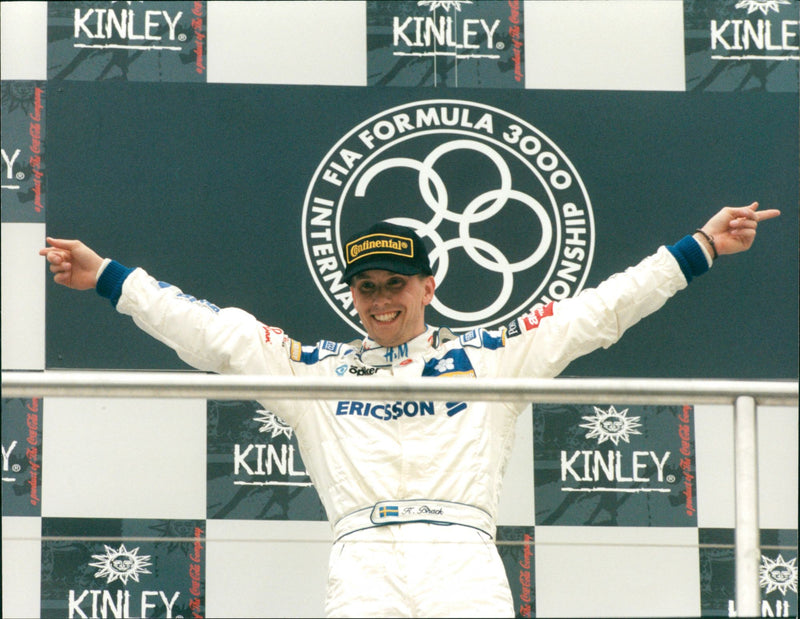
(63, 243)
(768, 214)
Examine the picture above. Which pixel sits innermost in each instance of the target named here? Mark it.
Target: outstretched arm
(556, 334)
(733, 229)
(73, 264)
(207, 337)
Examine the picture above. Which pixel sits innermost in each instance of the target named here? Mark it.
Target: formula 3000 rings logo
(504, 213)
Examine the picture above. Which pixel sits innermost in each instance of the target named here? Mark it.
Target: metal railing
(744, 395)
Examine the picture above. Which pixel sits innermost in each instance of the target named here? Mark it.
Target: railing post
(748, 547)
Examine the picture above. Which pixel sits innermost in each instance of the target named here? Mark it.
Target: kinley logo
(275, 463)
(18, 167)
(119, 27)
(123, 565)
(613, 466)
(758, 35)
(17, 457)
(778, 575)
(7, 452)
(445, 34)
(774, 575)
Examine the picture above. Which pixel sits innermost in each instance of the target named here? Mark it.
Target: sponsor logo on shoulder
(270, 332)
(513, 329)
(534, 319)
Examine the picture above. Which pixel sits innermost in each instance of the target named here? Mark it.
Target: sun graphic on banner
(765, 6)
(121, 564)
(445, 4)
(611, 425)
(17, 95)
(274, 424)
(778, 575)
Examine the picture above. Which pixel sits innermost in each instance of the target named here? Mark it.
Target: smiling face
(392, 306)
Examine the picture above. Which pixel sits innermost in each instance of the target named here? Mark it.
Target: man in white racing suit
(411, 488)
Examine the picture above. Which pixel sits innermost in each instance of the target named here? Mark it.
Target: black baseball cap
(386, 246)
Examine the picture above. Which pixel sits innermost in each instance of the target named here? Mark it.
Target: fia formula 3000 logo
(505, 215)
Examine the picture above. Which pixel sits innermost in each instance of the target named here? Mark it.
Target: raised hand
(73, 264)
(734, 227)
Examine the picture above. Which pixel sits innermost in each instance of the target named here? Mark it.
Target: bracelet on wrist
(710, 240)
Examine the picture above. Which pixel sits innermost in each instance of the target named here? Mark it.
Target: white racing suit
(411, 488)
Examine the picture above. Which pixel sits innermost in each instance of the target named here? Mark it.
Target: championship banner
(533, 198)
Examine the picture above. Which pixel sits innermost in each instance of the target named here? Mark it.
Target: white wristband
(103, 265)
(707, 254)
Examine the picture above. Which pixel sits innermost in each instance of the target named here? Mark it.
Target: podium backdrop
(539, 147)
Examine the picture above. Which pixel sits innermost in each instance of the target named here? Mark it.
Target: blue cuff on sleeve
(690, 257)
(110, 283)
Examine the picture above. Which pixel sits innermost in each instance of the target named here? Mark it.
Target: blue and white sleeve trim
(691, 257)
(112, 276)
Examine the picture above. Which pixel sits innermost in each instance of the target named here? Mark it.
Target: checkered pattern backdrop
(192, 508)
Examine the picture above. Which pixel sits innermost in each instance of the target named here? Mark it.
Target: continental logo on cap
(373, 244)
